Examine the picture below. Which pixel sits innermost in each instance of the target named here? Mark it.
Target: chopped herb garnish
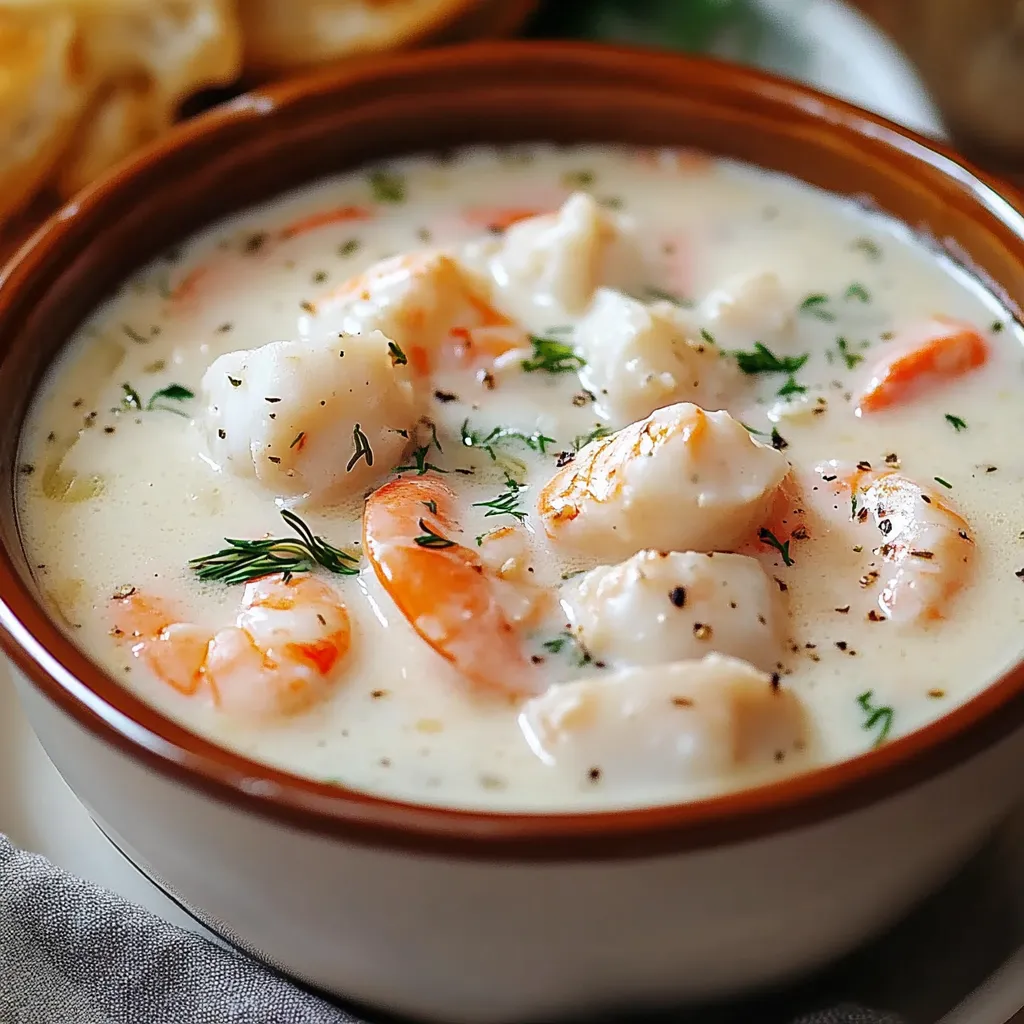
(131, 398)
(955, 422)
(552, 356)
(255, 242)
(779, 443)
(556, 646)
(398, 357)
(506, 503)
(767, 537)
(134, 334)
(791, 387)
(708, 336)
(578, 179)
(419, 455)
(581, 440)
(349, 248)
(652, 294)
(857, 291)
(499, 438)
(945, 483)
(431, 505)
(754, 430)
(245, 560)
(387, 187)
(815, 305)
(876, 715)
(430, 539)
(362, 449)
(869, 247)
(762, 360)
(850, 358)
(997, 326)
(171, 393)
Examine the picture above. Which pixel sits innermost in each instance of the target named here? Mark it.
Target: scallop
(681, 480)
(747, 308)
(311, 423)
(640, 358)
(666, 606)
(546, 268)
(689, 721)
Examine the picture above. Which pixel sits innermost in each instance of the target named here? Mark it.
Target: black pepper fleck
(677, 595)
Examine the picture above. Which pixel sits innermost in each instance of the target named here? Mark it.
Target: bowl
(466, 917)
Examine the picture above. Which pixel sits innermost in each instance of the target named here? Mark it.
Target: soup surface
(626, 478)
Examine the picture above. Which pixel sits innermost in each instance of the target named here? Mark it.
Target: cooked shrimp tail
(281, 656)
(442, 587)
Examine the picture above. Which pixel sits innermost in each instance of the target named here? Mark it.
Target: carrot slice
(935, 351)
(341, 215)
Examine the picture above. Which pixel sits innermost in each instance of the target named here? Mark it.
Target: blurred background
(83, 83)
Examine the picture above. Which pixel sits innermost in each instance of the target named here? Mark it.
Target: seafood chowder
(540, 479)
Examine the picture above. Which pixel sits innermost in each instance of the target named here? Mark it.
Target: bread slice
(281, 36)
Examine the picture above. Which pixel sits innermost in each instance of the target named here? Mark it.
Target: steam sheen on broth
(628, 477)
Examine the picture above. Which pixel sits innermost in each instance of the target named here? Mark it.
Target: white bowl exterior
(475, 942)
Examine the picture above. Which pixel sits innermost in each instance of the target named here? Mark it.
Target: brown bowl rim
(93, 699)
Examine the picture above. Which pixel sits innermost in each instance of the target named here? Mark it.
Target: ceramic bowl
(465, 917)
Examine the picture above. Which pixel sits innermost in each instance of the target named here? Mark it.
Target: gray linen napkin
(72, 953)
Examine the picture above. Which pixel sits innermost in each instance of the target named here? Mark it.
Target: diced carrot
(189, 284)
(928, 354)
(341, 215)
(497, 218)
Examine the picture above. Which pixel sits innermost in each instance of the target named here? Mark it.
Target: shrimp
(281, 656)
(935, 351)
(430, 305)
(682, 479)
(444, 589)
(926, 548)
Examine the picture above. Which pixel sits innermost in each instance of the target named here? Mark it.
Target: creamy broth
(117, 497)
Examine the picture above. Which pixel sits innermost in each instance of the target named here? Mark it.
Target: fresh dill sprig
(245, 560)
(817, 306)
(171, 393)
(564, 639)
(582, 440)
(496, 442)
(763, 360)
(876, 715)
(767, 537)
(851, 359)
(430, 539)
(362, 449)
(552, 356)
(420, 463)
(506, 503)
